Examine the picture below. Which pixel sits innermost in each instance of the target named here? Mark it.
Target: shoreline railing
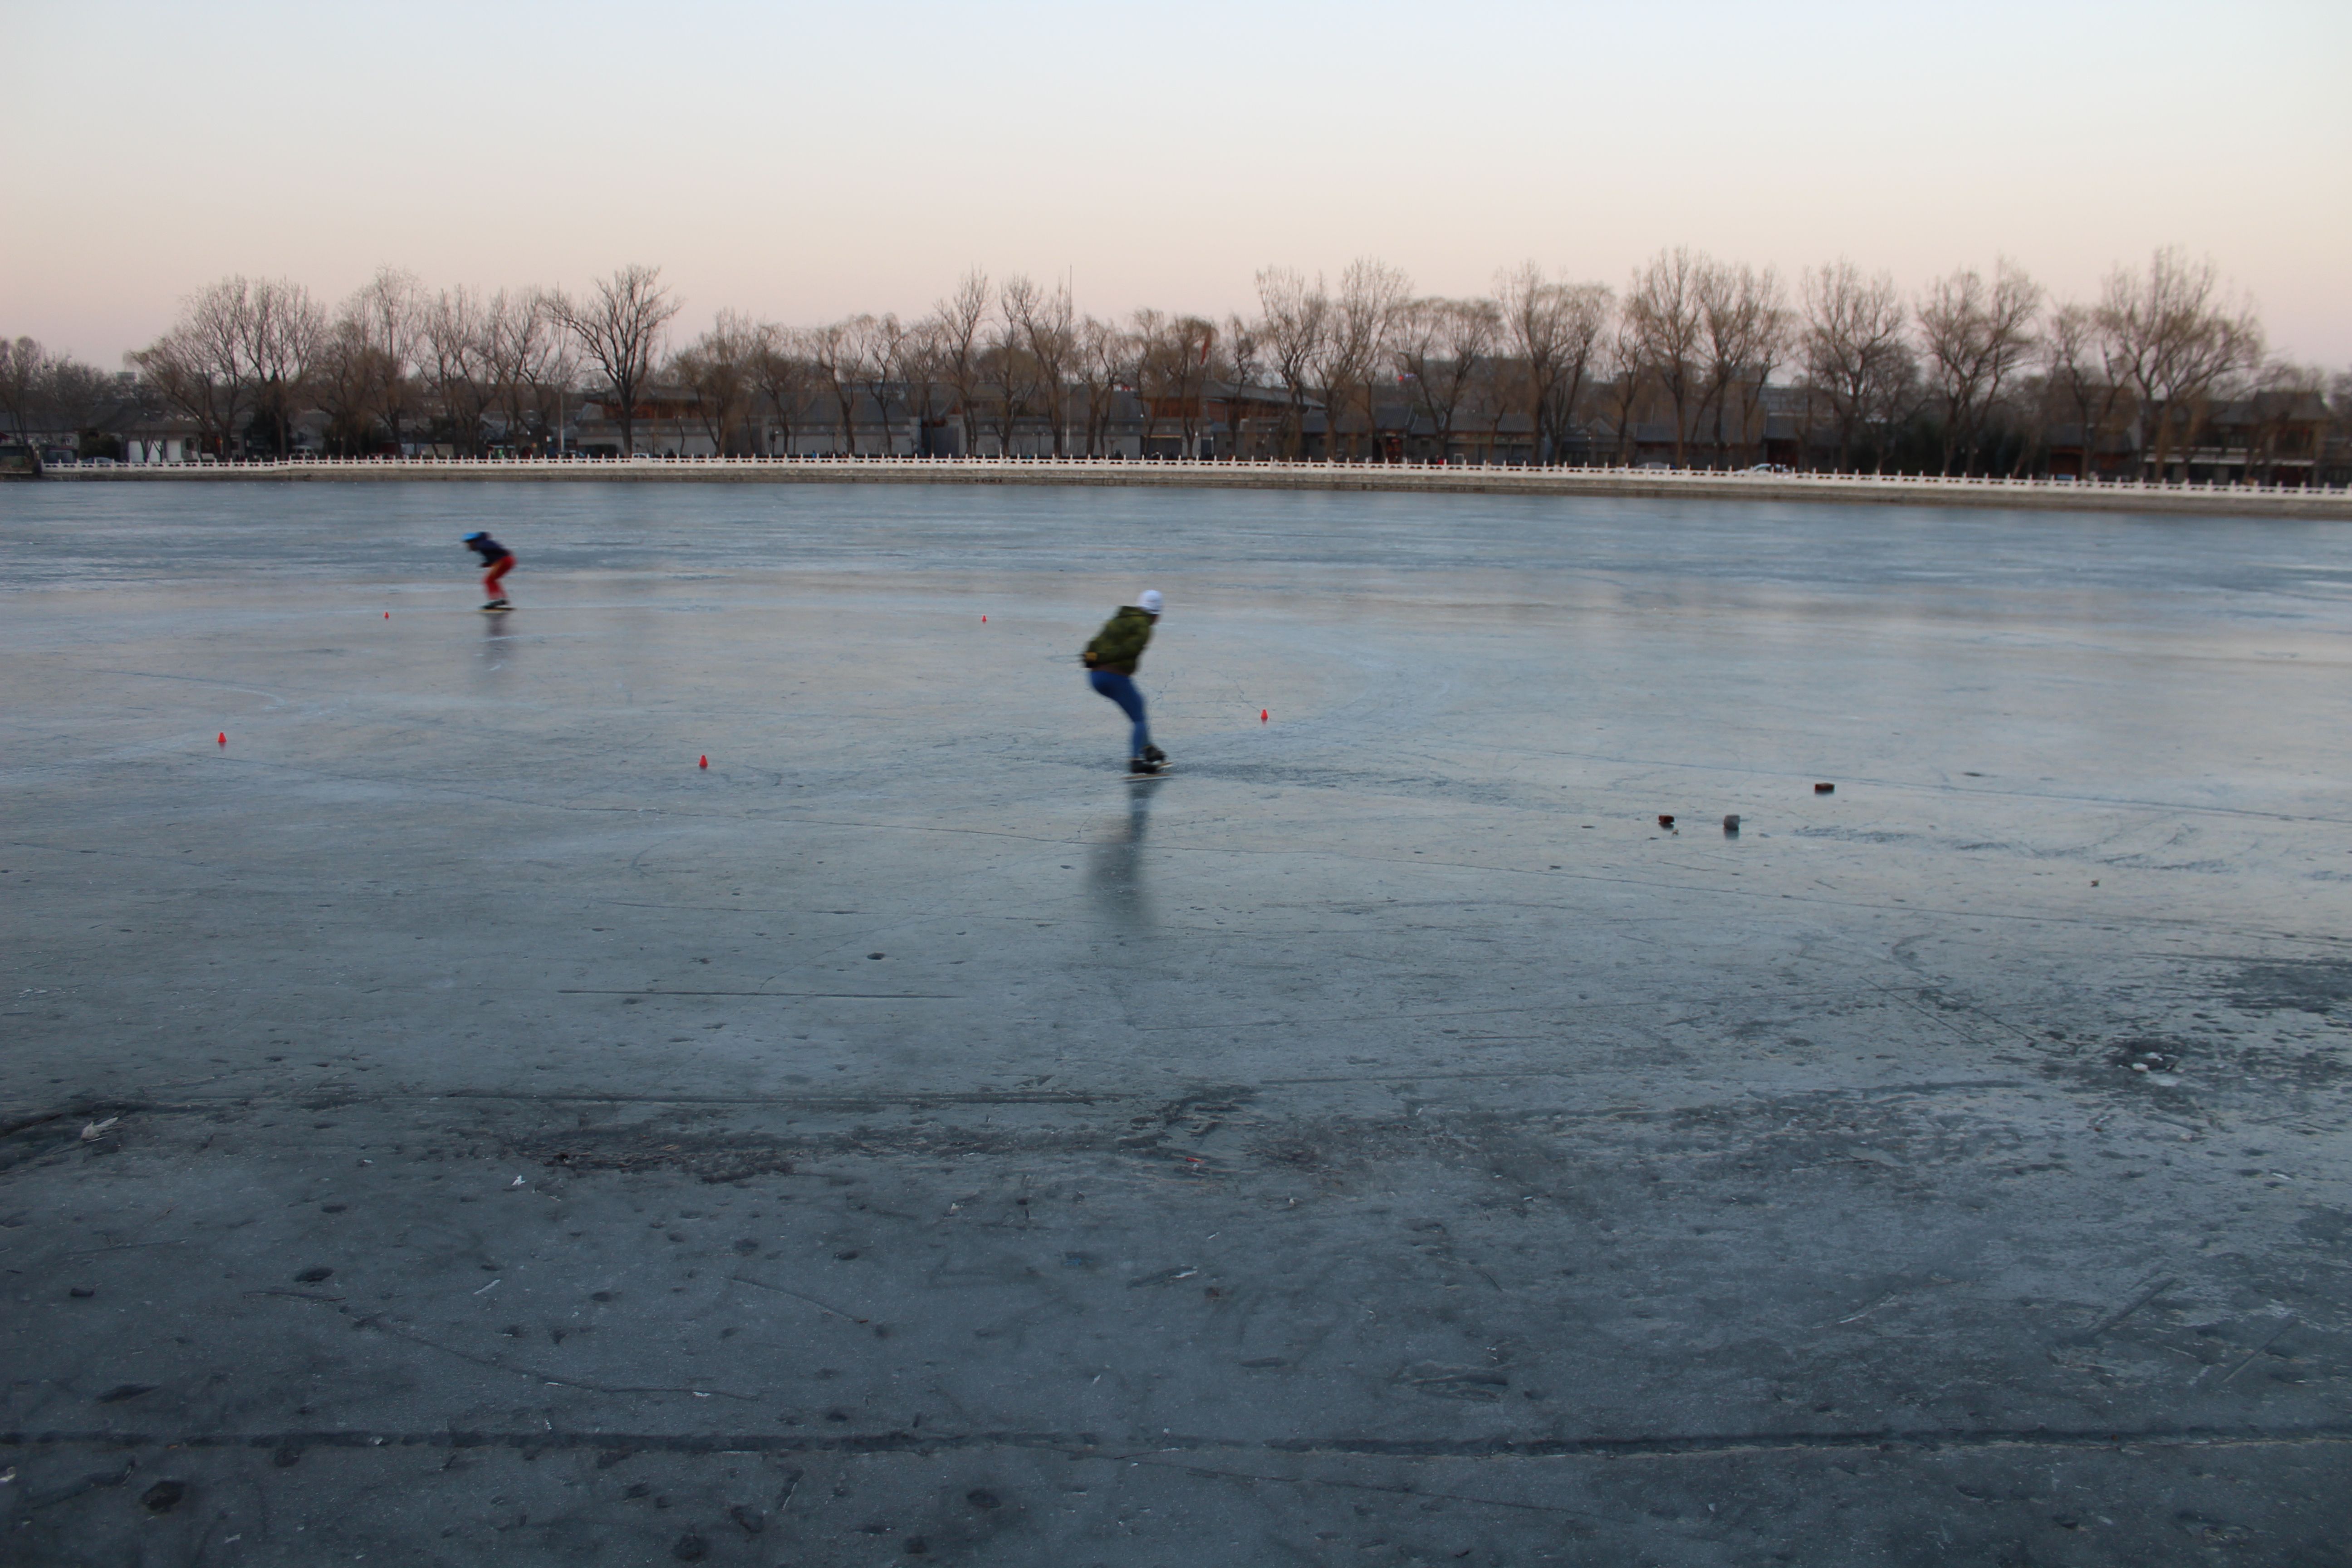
(1498, 475)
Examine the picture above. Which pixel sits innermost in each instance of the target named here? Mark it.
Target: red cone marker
(983, 620)
(706, 762)
(223, 737)
(1261, 715)
(387, 615)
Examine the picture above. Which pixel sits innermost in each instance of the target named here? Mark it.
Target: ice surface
(1444, 1127)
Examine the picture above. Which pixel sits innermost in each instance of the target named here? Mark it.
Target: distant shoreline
(2038, 495)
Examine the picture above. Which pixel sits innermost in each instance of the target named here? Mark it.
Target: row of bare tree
(41, 391)
(393, 362)
(1691, 340)
(1688, 347)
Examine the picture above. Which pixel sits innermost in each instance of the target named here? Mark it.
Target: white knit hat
(1150, 601)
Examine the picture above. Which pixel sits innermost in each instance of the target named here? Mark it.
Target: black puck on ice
(1666, 819)
(1731, 823)
(1825, 789)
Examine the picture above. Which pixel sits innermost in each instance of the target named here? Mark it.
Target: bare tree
(24, 376)
(1172, 355)
(238, 346)
(1553, 329)
(2175, 338)
(456, 364)
(963, 317)
(290, 327)
(2279, 424)
(717, 368)
(1294, 319)
(44, 392)
(918, 376)
(387, 315)
(202, 366)
(348, 383)
(1010, 374)
(782, 372)
(1240, 360)
(1363, 316)
(619, 326)
(879, 348)
(1743, 326)
(174, 368)
(832, 354)
(1628, 380)
(1978, 336)
(1047, 324)
(2077, 380)
(1105, 367)
(1852, 347)
(80, 397)
(1667, 319)
(527, 361)
(1446, 346)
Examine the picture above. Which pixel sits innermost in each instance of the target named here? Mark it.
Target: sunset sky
(800, 162)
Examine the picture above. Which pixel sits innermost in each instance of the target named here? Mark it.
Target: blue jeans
(1121, 690)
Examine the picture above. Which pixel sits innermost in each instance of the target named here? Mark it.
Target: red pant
(499, 569)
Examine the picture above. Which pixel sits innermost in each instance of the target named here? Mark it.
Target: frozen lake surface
(1379, 1140)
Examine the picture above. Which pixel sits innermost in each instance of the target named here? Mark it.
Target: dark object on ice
(81, 1291)
(691, 1548)
(312, 1275)
(1731, 824)
(1825, 789)
(122, 1390)
(1666, 819)
(751, 1519)
(163, 1496)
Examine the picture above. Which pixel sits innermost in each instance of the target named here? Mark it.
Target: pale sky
(800, 162)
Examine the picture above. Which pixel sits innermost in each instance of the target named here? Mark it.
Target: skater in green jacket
(1110, 662)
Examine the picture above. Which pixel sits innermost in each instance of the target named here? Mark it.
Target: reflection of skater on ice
(1110, 663)
(499, 560)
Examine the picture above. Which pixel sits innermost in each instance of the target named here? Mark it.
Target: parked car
(1772, 469)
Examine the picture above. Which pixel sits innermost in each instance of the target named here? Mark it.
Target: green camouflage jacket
(1120, 642)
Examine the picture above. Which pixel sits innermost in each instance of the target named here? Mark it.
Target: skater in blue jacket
(498, 560)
